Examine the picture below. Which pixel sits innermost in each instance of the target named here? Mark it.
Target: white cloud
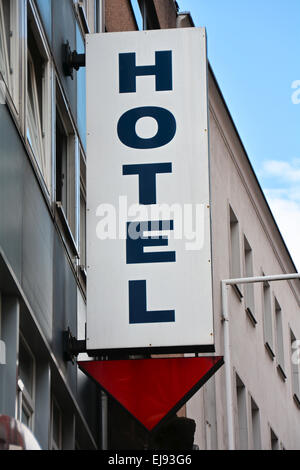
(287, 215)
(286, 171)
(291, 194)
(282, 179)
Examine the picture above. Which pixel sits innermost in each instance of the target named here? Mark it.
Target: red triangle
(150, 389)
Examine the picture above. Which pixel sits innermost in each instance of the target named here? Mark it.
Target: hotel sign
(149, 282)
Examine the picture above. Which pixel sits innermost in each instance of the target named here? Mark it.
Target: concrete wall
(234, 185)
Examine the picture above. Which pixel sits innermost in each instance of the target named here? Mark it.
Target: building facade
(43, 248)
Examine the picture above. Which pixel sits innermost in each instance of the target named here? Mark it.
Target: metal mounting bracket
(71, 60)
(72, 346)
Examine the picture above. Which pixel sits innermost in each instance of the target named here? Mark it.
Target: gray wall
(35, 251)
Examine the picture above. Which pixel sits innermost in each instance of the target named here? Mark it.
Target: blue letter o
(166, 127)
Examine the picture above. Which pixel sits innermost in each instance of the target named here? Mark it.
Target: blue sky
(254, 50)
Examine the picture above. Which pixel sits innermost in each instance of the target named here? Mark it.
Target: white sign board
(148, 222)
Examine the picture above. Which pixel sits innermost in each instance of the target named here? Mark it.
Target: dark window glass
(61, 163)
(26, 367)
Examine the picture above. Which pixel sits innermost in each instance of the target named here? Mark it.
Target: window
(61, 163)
(38, 116)
(242, 414)
(81, 90)
(267, 319)
(82, 214)
(145, 14)
(5, 17)
(87, 11)
(235, 264)
(249, 288)
(9, 50)
(255, 420)
(66, 167)
(235, 270)
(295, 368)
(85, 5)
(2, 344)
(26, 385)
(56, 426)
(274, 440)
(279, 339)
(45, 10)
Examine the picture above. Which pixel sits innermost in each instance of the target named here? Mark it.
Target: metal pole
(144, 14)
(104, 411)
(248, 280)
(101, 16)
(104, 421)
(226, 332)
(228, 367)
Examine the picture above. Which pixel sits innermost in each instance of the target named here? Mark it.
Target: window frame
(2, 344)
(87, 12)
(44, 169)
(295, 370)
(5, 51)
(268, 326)
(69, 215)
(234, 250)
(279, 339)
(11, 87)
(33, 114)
(53, 444)
(255, 424)
(249, 296)
(82, 224)
(24, 398)
(28, 408)
(242, 419)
